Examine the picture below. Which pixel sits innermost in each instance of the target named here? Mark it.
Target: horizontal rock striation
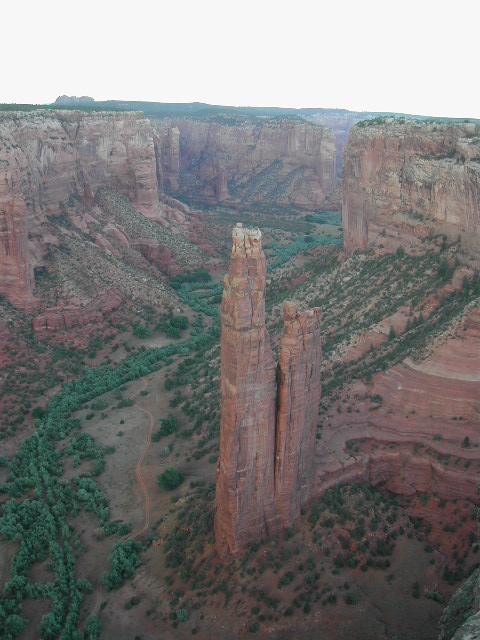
(265, 472)
(282, 161)
(48, 156)
(411, 440)
(71, 316)
(411, 179)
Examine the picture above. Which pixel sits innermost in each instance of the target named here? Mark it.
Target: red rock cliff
(283, 161)
(298, 398)
(16, 278)
(411, 178)
(47, 156)
(265, 472)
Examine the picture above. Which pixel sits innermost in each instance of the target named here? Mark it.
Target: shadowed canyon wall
(411, 178)
(285, 161)
(265, 472)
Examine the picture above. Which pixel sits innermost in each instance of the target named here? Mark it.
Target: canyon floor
(392, 531)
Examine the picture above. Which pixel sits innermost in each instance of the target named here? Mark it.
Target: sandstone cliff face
(283, 161)
(45, 157)
(412, 178)
(16, 279)
(244, 498)
(298, 399)
(265, 472)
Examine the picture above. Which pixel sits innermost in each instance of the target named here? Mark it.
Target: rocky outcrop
(71, 316)
(461, 618)
(74, 101)
(298, 398)
(265, 470)
(157, 254)
(411, 179)
(286, 161)
(244, 509)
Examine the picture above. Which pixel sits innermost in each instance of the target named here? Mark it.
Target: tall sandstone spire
(245, 487)
(267, 435)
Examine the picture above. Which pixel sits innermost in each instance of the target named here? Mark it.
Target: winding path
(138, 473)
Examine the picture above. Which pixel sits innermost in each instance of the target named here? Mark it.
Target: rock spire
(268, 417)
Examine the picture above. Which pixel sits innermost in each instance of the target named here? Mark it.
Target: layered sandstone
(299, 391)
(411, 440)
(71, 316)
(244, 500)
(411, 179)
(287, 161)
(16, 278)
(48, 156)
(266, 468)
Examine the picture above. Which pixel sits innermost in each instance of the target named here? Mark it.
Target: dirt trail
(138, 473)
(99, 591)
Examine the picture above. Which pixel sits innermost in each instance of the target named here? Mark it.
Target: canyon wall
(411, 179)
(266, 469)
(285, 161)
(48, 156)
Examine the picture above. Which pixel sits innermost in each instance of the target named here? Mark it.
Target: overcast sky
(416, 57)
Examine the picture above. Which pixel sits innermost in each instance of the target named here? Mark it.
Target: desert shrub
(141, 331)
(170, 479)
(168, 425)
(123, 562)
(351, 598)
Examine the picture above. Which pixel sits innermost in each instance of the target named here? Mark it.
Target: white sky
(408, 56)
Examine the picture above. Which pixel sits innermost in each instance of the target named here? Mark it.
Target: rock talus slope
(265, 472)
(413, 177)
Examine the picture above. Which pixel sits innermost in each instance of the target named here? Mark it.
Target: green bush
(168, 425)
(141, 331)
(170, 479)
(123, 561)
(179, 322)
(351, 598)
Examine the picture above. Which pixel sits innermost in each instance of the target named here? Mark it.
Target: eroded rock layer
(48, 156)
(297, 410)
(411, 178)
(282, 161)
(428, 412)
(266, 468)
(244, 500)
(58, 318)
